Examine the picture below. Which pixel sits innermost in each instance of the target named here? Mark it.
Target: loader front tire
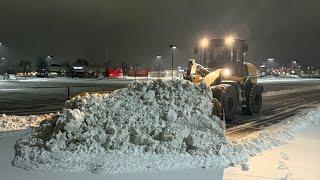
(253, 99)
(227, 96)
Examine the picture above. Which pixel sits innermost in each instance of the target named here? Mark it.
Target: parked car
(9, 77)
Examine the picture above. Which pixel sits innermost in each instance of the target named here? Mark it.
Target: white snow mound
(148, 126)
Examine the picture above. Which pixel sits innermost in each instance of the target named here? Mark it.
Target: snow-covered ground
(173, 142)
(298, 159)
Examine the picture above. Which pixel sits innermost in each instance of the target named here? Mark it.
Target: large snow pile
(149, 126)
(10, 123)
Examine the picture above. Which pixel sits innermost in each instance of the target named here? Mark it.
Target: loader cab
(227, 53)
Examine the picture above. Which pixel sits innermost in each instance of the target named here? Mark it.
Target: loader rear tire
(227, 96)
(253, 99)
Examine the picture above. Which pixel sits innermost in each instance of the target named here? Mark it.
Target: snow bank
(282, 80)
(149, 126)
(288, 91)
(10, 123)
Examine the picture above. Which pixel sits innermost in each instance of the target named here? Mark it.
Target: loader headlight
(226, 72)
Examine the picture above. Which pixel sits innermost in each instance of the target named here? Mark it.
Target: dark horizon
(137, 31)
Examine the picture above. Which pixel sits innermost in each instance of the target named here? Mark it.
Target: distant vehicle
(1, 77)
(275, 72)
(53, 74)
(114, 73)
(9, 77)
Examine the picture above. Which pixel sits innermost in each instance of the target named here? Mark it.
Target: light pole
(204, 44)
(50, 59)
(159, 59)
(2, 65)
(172, 48)
(2, 60)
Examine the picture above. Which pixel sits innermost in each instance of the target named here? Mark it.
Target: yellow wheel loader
(233, 81)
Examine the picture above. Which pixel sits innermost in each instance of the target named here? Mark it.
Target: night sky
(136, 31)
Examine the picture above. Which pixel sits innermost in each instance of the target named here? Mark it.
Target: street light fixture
(204, 42)
(172, 48)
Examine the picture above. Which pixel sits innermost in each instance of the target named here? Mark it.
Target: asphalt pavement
(42, 96)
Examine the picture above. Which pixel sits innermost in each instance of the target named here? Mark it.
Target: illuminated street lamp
(204, 44)
(172, 48)
(229, 41)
